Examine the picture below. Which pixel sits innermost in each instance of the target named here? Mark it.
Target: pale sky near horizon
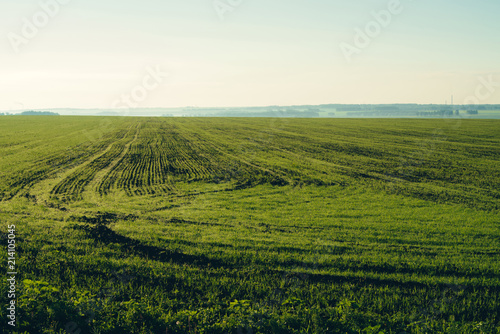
(262, 53)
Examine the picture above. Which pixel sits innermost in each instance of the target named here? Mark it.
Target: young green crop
(220, 225)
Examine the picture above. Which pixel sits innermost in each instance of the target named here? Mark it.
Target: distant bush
(38, 113)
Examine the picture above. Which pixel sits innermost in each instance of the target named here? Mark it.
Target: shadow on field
(97, 228)
(338, 263)
(374, 282)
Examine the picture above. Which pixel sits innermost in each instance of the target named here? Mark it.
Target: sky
(223, 53)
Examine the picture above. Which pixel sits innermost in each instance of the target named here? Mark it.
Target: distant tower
(452, 101)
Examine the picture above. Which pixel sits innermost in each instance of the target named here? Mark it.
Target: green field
(222, 225)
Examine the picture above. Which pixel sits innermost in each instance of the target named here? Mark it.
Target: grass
(152, 225)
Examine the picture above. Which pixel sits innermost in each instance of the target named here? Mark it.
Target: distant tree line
(406, 107)
(31, 113)
(38, 113)
(439, 113)
(273, 113)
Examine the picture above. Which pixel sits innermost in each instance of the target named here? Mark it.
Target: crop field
(234, 225)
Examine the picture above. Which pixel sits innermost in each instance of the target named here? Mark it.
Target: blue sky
(91, 53)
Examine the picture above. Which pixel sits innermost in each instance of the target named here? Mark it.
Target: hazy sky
(102, 53)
